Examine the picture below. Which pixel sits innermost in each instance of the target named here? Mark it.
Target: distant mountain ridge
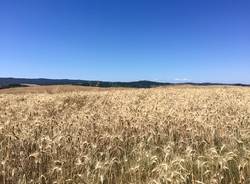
(18, 82)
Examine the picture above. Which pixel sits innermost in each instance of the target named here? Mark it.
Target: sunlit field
(179, 135)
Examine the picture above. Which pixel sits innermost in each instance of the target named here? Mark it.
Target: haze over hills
(25, 82)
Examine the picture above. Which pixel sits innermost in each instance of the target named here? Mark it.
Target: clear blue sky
(125, 40)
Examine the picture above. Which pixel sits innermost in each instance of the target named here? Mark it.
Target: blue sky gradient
(126, 40)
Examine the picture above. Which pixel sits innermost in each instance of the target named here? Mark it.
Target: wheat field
(179, 135)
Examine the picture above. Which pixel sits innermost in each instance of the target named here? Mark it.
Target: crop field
(51, 89)
(179, 135)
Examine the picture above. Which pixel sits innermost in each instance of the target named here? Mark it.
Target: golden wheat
(167, 135)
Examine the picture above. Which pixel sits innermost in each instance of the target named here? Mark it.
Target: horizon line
(186, 81)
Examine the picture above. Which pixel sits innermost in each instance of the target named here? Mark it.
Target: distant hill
(23, 82)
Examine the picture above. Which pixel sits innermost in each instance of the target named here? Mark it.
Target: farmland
(162, 135)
